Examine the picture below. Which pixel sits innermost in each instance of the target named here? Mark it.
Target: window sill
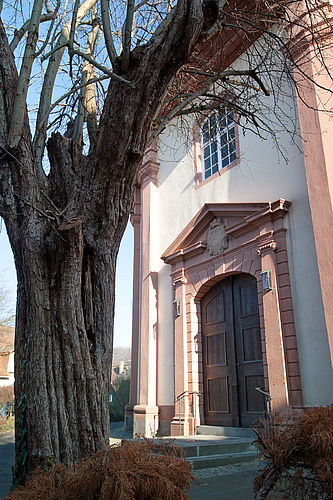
(198, 182)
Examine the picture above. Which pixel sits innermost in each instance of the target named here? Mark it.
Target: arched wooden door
(232, 353)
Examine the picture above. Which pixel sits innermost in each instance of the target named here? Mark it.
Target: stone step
(200, 448)
(214, 430)
(224, 446)
(222, 459)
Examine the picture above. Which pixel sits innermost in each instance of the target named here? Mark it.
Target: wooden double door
(232, 353)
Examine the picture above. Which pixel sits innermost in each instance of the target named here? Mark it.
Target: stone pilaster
(276, 363)
(136, 222)
(180, 422)
(146, 411)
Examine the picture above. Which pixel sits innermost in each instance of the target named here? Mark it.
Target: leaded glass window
(218, 142)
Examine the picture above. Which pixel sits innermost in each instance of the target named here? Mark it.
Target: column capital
(150, 166)
(135, 219)
(271, 245)
(179, 278)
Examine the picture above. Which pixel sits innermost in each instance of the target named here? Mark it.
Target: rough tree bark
(65, 230)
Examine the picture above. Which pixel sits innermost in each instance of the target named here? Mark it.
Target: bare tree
(7, 315)
(65, 214)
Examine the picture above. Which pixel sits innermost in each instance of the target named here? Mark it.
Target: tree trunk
(63, 345)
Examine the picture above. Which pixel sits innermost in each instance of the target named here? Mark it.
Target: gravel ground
(226, 470)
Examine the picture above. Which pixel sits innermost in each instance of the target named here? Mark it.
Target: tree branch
(70, 92)
(105, 70)
(107, 33)
(127, 33)
(17, 170)
(49, 79)
(14, 135)
(71, 36)
(178, 110)
(18, 34)
(87, 99)
(49, 31)
(166, 51)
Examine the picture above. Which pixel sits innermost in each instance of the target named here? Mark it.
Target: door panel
(218, 395)
(215, 309)
(218, 350)
(253, 397)
(248, 348)
(248, 301)
(252, 350)
(232, 353)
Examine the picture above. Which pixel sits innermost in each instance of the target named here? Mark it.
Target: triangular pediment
(235, 216)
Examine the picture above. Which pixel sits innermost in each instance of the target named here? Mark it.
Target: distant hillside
(121, 354)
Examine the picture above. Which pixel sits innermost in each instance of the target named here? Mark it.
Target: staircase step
(215, 447)
(224, 459)
(213, 430)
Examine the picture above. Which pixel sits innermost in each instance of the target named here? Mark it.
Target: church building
(233, 269)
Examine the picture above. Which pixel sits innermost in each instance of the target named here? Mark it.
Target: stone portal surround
(261, 245)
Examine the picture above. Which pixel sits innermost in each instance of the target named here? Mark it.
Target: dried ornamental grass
(299, 455)
(6, 395)
(135, 470)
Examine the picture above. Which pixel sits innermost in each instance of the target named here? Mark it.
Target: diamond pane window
(218, 142)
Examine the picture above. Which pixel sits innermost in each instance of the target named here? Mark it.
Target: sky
(124, 283)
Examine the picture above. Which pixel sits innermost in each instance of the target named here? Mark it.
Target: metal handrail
(268, 399)
(181, 396)
(179, 399)
(186, 393)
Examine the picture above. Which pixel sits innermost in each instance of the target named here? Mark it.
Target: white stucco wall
(153, 314)
(165, 389)
(262, 175)
(10, 369)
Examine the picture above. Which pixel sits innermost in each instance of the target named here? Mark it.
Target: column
(136, 222)
(146, 410)
(180, 422)
(276, 363)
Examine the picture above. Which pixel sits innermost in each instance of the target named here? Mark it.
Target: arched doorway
(232, 352)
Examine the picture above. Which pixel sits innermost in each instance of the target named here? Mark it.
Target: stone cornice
(273, 211)
(206, 214)
(253, 215)
(191, 250)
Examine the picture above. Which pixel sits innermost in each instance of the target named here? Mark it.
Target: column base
(167, 413)
(182, 428)
(145, 421)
